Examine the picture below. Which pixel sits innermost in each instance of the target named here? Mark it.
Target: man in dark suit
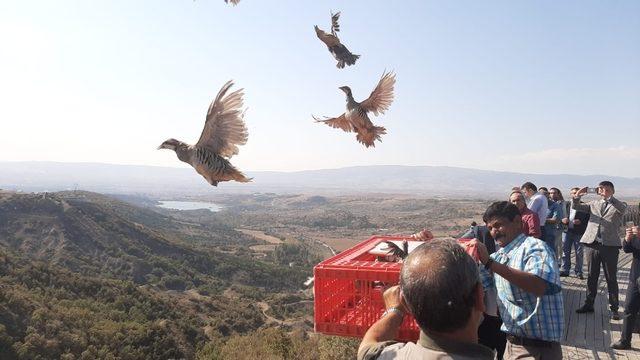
(632, 306)
(602, 243)
(575, 224)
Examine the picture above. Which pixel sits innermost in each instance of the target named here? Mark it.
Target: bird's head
(171, 144)
(346, 90)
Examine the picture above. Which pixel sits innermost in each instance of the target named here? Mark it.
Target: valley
(87, 275)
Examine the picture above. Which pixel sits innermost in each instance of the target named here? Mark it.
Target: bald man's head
(439, 282)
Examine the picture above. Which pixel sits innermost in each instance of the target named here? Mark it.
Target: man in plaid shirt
(525, 274)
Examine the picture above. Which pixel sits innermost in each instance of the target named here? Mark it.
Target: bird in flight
(355, 119)
(234, 2)
(224, 130)
(339, 51)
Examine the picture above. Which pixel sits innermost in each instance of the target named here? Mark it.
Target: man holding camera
(601, 243)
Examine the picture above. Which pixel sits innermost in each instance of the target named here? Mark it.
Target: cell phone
(592, 190)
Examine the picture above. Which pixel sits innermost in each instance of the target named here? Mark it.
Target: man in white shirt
(536, 202)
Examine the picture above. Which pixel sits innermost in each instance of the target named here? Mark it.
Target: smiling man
(524, 272)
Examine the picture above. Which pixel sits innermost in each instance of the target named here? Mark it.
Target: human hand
(628, 234)
(634, 230)
(393, 298)
(577, 222)
(565, 221)
(581, 192)
(423, 235)
(483, 254)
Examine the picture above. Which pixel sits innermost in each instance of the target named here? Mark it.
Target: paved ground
(588, 336)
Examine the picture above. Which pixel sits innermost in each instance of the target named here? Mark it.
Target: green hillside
(86, 276)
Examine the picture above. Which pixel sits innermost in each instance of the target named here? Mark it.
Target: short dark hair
(542, 188)
(501, 209)
(559, 193)
(439, 281)
(607, 183)
(529, 185)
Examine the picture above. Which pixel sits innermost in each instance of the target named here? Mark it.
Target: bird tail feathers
(368, 137)
(239, 177)
(351, 59)
(348, 59)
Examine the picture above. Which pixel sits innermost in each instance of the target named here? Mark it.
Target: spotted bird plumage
(223, 131)
(356, 118)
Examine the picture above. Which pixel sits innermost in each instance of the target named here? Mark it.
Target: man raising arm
(524, 272)
(440, 287)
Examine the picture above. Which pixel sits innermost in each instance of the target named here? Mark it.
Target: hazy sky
(530, 86)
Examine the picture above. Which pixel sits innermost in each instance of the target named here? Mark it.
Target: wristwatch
(487, 265)
(392, 309)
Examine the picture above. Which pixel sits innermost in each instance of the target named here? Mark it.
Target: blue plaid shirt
(523, 313)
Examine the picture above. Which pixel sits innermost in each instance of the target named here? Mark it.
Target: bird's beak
(343, 88)
(161, 146)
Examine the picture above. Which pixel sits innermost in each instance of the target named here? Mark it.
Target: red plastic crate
(348, 292)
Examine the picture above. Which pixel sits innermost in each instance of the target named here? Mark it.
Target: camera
(592, 190)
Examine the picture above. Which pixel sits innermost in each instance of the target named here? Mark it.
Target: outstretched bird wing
(234, 2)
(335, 27)
(328, 39)
(396, 250)
(382, 96)
(224, 127)
(339, 122)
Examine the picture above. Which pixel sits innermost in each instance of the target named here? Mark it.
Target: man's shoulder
(376, 350)
(617, 201)
(531, 243)
(389, 350)
(526, 212)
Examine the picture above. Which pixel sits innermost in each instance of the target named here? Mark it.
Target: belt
(519, 340)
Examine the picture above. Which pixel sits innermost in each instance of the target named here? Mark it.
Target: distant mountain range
(167, 181)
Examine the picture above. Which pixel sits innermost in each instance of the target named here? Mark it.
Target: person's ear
(403, 302)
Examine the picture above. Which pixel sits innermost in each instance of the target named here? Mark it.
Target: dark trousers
(570, 240)
(490, 335)
(632, 302)
(608, 256)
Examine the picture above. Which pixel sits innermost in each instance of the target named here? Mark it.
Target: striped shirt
(523, 313)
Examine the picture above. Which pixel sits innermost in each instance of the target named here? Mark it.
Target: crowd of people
(510, 304)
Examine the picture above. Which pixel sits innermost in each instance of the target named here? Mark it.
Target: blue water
(189, 205)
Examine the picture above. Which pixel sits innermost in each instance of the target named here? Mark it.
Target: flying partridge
(224, 130)
(339, 51)
(355, 119)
